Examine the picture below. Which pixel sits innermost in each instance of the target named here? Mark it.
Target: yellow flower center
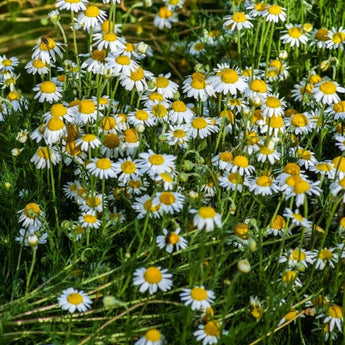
(263, 181)
(289, 276)
(38, 63)
(103, 163)
(297, 216)
(108, 123)
(258, 85)
(226, 156)
(314, 79)
(212, 328)
(241, 230)
(141, 115)
(131, 136)
(233, 177)
(109, 37)
(159, 110)
(32, 210)
(339, 107)
(107, 26)
(137, 75)
(229, 76)
(299, 120)
(179, 133)
(44, 152)
(199, 123)
(275, 10)
(156, 159)
(198, 46)
(111, 141)
(207, 212)
(73, 149)
(339, 163)
(55, 124)
(335, 311)
(58, 110)
(328, 88)
(47, 43)
(164, 12)
(277, 122)
(239, 17)
(338, 37)
(128, 167)
(291, 315)
(297, 255)
(304, 154)
(301, 187)
(273, 102)
(153, 275)
(342, 182)
(48, 87)
(278, 222)
(156, 96)
(166, 177)
(92, 11)
(295, 32)
(322, 35)
(90, 218)
(198, 294)
(241, 161)
(265, 150)
(134, 184)
(98, 55)
(86, 106)
(198, 83)
(6, 62)
(75, 298)
(89, 138)
(167, 198)
(325, 254)
(180, 107)
(261, 6)
(123, 60)
(292, 169)
(93, 201)
(162, 82)
(153, 335)
(292, 180)
(154, 208)
(172, 238)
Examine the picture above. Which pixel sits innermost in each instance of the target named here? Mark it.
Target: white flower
(152, 278)
(72, 300)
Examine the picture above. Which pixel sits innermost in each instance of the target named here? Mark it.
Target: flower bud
(188, 165)
(140, 128)
(244, 266)
(283, 55)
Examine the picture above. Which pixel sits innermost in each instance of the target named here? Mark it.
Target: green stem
(34, 251)
(76, 53)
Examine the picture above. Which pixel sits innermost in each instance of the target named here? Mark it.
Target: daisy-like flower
(232, 181)
(54, 131)
(30, 214)
(302, 92)
(238, 21)
(159, 111)
(241, 164)
(137, 79)
(291, 315)
(102, 168)
(179, 112)
(257, 88)
(337, 110)
(108, 40)
(202, 127)
(8, 64)
(93, 203)
(152, 337)
(197, 48)
(88, 219)
(171, 240)
(45, 156)
(47, 91)
(207, 218)
(334, 316)
(294, 35)
(88, 141)
(339, 166)
(338, 186)
(72, 300)
(198, 298)
(37, 67)
(70, 189)
(127, 169)
(152, 279)
(154, 163)
(223, 160)
(277, 70)
(296, 218)
(164, 18)
(46, 50)
(164, 86)
(336, 38)
(274, 13)
(297, 256)
(272, 106)
(178, 135)
(32, 236)
(95, 61)
(262, 185)
(209, 333)
(289, 277)
(257, 9)
(305, 157)
(144, 204)
(277, 227)
(59, 111)
(91, 17)
(121, 64)
(170, 202)
(326, 92)
(227, 80)
(130, 141)
(319, 37)
(111, 145)
(86, 112)
(300, 123)
(197, 87)
(325, 257)
(266, 153)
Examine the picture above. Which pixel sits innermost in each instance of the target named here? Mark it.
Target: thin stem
(34, 251)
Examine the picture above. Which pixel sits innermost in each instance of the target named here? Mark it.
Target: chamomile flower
(294, 35)
(179, 112)
(46, 50)
(130, 141)
(178, 135)
(137, 79)
(277, 70)
(206, 218)
(232, 181)
(8, 64)
(70, 189)
(198, 87)
(154, 163)
(319, 38)
(127, 169)
(108, 40)
(336, 38)
(277, 227)
(32, 236)
(47, 91)
(257, 91)
(291, 315)
(152, 337)
(275, 13)
(171, 240)
(152, 279)
(169, 201)
(334, 316)
(209, 332)
(272, 106)
(296, 218)
(297, 256)
(30, 215)
(144, 205)
(111, 145)
(17, 102)
(165, 18)
(202, 127)
(336, 110)
(325, 257)
(326, 92)
(302, 188)
(93, 203)
(95, 61)
(45, 156)
(197, 48)
(198, 298)
(86, 112)
(267, 153)
(257, 9)
(37, 67)
(165, 86)
(102, 168)
(59, 111)
(305, 157)
(91, 17)
(88, 219)
(262, 185)
(300, 123)
(241, 164)
(223, 160)
(88, 142)
(227, 81)
(121, 64)
(72, 300)
(159, 111)
(238, 21)
(54, 131)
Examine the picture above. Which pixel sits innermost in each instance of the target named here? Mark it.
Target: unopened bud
(244, 266)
